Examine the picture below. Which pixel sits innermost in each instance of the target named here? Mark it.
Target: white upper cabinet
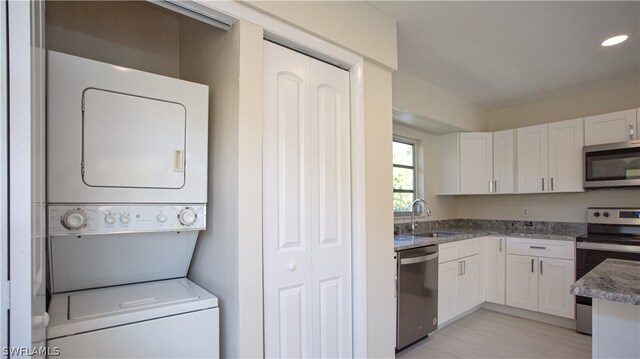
(476, 163)
(533, 159)
(611, 127)
(503, 161)
(565, 156)
(550, 157)
(466, 165)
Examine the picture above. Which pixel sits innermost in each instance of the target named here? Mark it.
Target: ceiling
(501, 54)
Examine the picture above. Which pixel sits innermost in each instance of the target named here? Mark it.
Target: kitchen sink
(437, 234)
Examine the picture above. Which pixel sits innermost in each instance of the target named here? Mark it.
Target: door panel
(330, 164)
(610, 127)
(556, 276)
(469, 283)
(494, 269)
(124, 133)
(566, 140)
(503, 161)
(522, 282)
(476, 162)
(533, 160)
(447, 290)
(307, 207)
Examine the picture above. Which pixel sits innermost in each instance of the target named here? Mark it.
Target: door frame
(275, 30)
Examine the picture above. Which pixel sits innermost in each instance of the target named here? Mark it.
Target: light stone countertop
(614, 280)
(407, 241)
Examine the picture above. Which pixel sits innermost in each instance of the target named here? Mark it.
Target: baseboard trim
(527, 314)
(461, 315)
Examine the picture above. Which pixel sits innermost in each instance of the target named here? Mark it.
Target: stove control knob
(606, 214)
(110, 218)
(596, 214)
(124, 218)
(74, 219)
(161, 217)
(187, 216)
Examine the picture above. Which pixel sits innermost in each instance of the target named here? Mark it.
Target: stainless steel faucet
(426, 210)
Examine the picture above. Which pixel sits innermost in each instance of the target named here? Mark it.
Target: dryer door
(131, 141)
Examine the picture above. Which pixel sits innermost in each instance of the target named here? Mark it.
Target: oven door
(588, 256)
(612, 165)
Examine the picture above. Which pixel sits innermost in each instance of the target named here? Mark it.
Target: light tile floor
(488, 334)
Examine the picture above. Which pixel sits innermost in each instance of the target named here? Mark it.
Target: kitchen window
(404, 174)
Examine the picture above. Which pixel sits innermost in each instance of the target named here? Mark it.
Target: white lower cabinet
(494, 252)
(540, 283)
(460, 283)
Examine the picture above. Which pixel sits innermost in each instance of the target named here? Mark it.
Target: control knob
(124, 218)
(187, 216)
(74, 219)
(161, 217)
(606, 214)
(596, 214)
(110, 218)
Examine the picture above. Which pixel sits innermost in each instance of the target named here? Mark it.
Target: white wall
(379, 213)
(423, 98)
(354, 25)
(554, 207)
(228, 257)
(144, 37)
(612, 99)
(442, 207)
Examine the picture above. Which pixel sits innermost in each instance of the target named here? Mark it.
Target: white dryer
(119, 135)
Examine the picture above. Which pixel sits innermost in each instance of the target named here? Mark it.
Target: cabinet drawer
(541, 248)
(459, 249)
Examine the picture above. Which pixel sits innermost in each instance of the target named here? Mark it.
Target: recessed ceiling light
(615, 40)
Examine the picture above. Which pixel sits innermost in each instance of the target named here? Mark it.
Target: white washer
(162, 319)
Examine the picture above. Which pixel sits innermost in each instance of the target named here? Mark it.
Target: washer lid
(113, 300)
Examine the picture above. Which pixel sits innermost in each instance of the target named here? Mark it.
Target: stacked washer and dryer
(127, 192)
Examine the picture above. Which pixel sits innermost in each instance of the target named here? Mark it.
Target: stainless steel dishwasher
(417, 296)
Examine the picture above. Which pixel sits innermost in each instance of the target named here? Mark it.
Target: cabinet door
(476, 163)
(469, 283)
(533, 159)
(448, 274)
(494, 269)
(522, 282)
(566, 140)
(610, 127)
(556, 275)
(503, 161)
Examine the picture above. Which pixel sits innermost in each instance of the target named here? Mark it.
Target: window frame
(414, 168)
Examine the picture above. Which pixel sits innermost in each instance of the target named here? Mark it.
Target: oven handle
(608, 247)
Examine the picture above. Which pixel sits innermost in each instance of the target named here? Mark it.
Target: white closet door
(307, 210)
(331, 210)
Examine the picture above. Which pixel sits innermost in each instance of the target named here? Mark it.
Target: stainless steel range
(612, 233)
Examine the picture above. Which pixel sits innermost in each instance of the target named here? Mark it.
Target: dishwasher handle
(420, 259)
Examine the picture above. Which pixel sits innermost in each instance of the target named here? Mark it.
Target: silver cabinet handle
(464, 267)
(500, 241)
(532, 271)
(421, 259)
(537, 247)
(495, 186)
(631, 131)
(459, 268)
(543, 185)
(541, 267)
(552, 184)
(490, 186)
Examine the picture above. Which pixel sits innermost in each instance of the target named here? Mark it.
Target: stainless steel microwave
(612, 165)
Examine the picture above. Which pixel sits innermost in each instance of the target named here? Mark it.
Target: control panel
(96, 219)
(628, 216)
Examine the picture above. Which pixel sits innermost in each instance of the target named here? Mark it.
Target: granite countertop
(408, 241)
(615, 280)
